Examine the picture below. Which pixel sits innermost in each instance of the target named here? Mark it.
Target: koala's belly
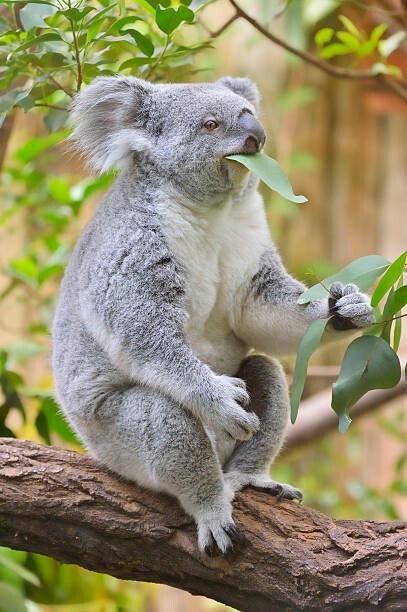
(216, 345)
(208, 326)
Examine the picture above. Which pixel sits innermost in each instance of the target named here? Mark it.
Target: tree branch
(62, 504)
(336, 71)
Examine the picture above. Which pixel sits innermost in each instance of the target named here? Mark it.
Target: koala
(171, 287)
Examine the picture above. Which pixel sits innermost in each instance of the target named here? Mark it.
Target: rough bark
(64, 505)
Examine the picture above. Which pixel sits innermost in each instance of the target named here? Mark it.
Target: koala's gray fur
(170, 285)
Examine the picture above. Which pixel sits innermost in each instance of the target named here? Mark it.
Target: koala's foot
(217, 536)
(238, 480)
(350, 307)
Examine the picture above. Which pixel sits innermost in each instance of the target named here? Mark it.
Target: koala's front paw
(227, 411)
(350, 307)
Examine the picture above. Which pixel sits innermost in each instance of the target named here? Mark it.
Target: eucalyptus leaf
(389, 279)
(33, 15)
(400, 298)
(388, 312)
(270, 172)
(369, 363)
(308, 345)
(363, 272)
(19, 569)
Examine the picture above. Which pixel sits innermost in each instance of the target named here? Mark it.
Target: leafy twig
(336, 71)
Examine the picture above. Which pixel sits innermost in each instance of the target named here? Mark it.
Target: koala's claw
(234, 533)
(217, 539)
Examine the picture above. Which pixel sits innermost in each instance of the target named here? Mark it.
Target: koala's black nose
(255, 136)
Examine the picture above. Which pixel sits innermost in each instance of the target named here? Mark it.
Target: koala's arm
(271, 320)
(131, 301)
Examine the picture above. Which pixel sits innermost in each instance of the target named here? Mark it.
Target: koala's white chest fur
(220, 248)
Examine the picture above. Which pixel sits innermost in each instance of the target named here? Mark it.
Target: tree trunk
(64, 505)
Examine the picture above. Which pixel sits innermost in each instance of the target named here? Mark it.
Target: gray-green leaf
(308, 345)
(369, 363)
(271, 173)
(33, 15)
(363, 272)
(393, 273)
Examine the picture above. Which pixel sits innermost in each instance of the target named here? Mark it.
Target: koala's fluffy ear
(108, 116)
(243, 87)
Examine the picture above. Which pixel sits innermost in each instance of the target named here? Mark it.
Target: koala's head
(182, 132)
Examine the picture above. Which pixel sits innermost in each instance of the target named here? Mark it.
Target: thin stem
(54, 106)
(159, 58)
(225, 26)
(77, 56)
(64, 89)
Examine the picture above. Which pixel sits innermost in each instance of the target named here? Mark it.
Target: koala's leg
(250, 462)
(149, 438)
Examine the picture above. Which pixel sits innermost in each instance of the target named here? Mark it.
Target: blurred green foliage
(48, 50)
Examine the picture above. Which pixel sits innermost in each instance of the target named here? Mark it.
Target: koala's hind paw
(238, 481)
(215, 538)
(279, 490)
(350, 307)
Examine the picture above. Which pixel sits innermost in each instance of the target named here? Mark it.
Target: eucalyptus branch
(336, 71)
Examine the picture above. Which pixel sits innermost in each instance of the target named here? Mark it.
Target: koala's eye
(211, 125)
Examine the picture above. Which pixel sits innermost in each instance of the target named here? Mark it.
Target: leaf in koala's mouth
(270, 172)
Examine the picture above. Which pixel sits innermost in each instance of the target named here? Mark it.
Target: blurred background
(343, 144)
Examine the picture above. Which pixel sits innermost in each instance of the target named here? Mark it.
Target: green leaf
(377, 33)
(389, 279)
(25, 269)
(148, 6)
(39, 40)
(386, 47)
(397, 334)
(369, 363)
(270, 172)
(55, 420)
(12, 97)
(349, 40)
(136, 62)
(363, 272)
(388, 312)
(11, 599)
(308, 345)
(22, 350)
(144, 43)
(55, 119)
(59, 189)
(169, 19)
(400, 298)
(323, 36)
(350, 26)
(32, 15)
(335, 49)
(118, 24)
(33, 147)
(24, 573)
(49, 271)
